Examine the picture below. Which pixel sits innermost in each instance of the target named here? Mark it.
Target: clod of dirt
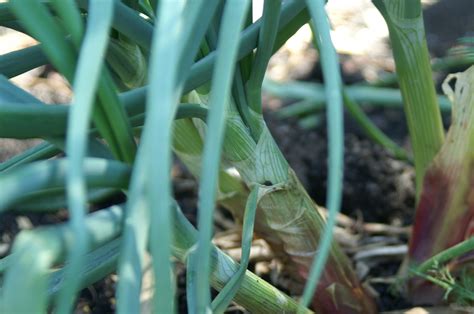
(376, 185)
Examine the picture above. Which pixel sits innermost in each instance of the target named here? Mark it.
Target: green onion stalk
(404, 19)
(287, 218)
(312, 97)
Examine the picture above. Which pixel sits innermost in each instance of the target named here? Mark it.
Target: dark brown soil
(98, 298)
(445, 22)
(376, 185)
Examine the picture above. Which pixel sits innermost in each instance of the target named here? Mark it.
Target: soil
(445, 22)
(376, 185)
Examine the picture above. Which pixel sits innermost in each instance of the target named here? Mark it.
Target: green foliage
(72, 47)
(404, 19)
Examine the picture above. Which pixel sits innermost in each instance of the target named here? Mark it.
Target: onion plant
(155, 78)
(150, 78)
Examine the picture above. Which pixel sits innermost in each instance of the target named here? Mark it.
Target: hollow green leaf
(39, 23)
(223, 299)
(232, 22)
(20, 61)
(70, 18)
(162, 103)
(266, 41)
(333, 90)
(86, 79)
(53, 172)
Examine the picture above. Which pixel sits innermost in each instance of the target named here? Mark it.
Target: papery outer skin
(445, 212)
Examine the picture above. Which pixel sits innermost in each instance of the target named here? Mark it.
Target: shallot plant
(151, 78)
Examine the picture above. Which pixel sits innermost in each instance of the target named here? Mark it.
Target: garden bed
(378, 192)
